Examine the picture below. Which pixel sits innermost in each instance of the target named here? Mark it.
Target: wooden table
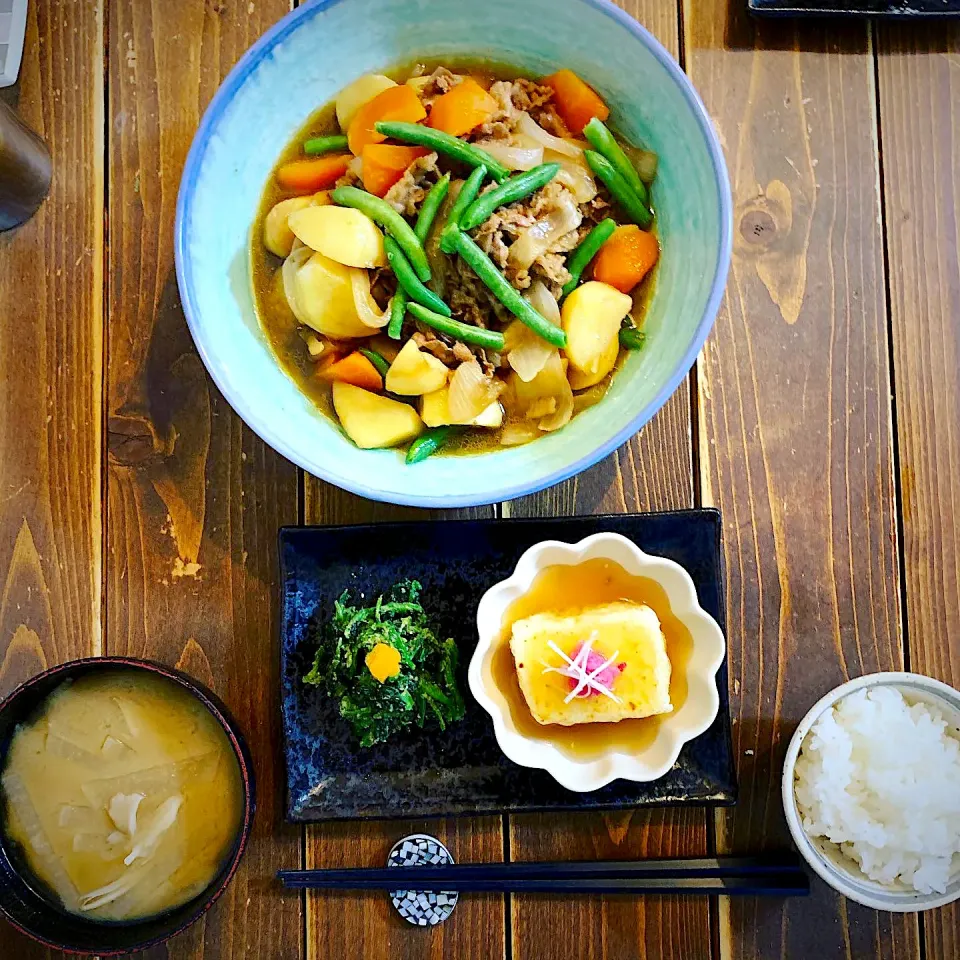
(138, 515)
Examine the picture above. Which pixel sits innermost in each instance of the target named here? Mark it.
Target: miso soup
(122, 794)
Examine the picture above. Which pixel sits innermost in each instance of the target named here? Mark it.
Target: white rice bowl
(880, 778)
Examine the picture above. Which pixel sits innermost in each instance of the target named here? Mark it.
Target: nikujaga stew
(455, 258)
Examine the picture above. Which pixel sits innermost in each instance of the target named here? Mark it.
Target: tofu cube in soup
(556, 655)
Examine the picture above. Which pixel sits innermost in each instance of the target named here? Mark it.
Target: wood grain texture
(194, 498)
(366, 925)
(51, 369)
(796, 429)
(653, 471)
(919, 80)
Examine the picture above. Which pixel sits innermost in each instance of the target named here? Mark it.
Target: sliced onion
(298, 257)
(542, 407)
(355, 166)
(527, 125)
(470, 392)
(512, 155)
(544, 302)
(537, 239)
(516, 433)
(368, 312)
(646, 162)
(563, 413)
(575, 175)
(419, 84)
(591, 396)
(526, 352)
(556, 369)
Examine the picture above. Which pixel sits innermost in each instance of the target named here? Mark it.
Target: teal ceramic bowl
(301, 64)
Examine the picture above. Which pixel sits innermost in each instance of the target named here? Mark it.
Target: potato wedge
(340, 233)
(324, 296)
(581, 381)
(435, 411)
(591, 317)
(414, 373)
(277, 236)
(372, 421)
(354, 95)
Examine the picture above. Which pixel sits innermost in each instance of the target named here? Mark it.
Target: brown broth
(277, 320)
(568, 589)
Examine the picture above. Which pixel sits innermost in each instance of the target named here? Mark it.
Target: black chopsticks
(778, 875)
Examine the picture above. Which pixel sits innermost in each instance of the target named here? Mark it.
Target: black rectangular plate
(462, 770)
(907, 9)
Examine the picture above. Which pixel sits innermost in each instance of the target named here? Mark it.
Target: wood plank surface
(796, 429)
(365, 925)
(194, 498)
(919, 80)
(51, 368)
(653, 471)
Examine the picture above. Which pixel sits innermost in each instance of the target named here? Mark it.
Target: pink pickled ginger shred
(605, 677)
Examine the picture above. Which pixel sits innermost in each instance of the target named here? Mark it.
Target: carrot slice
(576, 102)
(461, 109)
(384, 164)
(309, 176)
(395, 103)
(626, 258)
(354, 368)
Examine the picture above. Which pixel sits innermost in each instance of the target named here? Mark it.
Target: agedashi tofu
(555, 654)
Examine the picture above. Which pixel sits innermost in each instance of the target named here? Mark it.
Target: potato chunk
(373, 421)
(340, 233)
(414, 373)
(591, 318)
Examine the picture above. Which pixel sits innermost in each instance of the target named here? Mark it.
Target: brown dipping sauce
(568, 589)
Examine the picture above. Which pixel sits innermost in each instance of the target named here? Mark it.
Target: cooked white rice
(881, 778)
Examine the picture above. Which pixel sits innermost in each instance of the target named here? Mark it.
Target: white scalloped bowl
(694, 716)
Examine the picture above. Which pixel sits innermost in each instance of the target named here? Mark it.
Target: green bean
(587, 249)
(379, 362)
(490, 339)
(317, 145)
(431, 207)
(398, 310)
(631, 338)
(510, 191)
(442, 142)
(466, 196)
(604, 142)
(621, 191)
(388, 218)
(408, 281)
(427, 444)
(428, 213)
(500, 287)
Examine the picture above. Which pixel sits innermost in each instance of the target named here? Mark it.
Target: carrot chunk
(354, 368)
(384, 164)
(576, 102)
(309, 176)
(626, 258)
(462, 108)
(399, 103)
